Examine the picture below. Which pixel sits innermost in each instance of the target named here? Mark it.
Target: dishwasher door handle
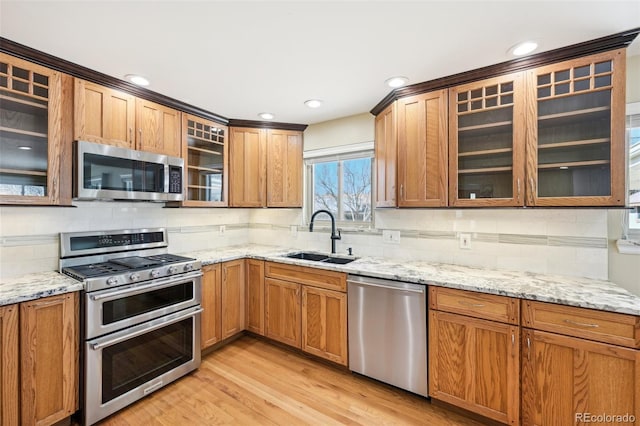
(388, 287)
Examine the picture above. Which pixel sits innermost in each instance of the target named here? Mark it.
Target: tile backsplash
(558, 241)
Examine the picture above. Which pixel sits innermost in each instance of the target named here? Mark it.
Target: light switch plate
(390, 237)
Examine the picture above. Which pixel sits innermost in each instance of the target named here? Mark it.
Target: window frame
(338, 154)
(633, 109)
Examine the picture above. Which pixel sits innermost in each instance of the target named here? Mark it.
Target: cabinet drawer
(478, 305)
(310, 276)
(607, 327)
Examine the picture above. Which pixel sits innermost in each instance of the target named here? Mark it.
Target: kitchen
(549, 241)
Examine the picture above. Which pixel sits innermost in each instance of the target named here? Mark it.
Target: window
(633, 138)
(341, 184)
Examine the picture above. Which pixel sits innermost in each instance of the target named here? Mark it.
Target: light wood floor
(252, 382)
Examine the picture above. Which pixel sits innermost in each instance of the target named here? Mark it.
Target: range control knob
(134, 277)
(173, 269)
(188, 267)
(112, 281)
(154, 273)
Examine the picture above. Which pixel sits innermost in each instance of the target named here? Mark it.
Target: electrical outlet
(293, 231)
(222, 230)
(390, 237)
(465, 241)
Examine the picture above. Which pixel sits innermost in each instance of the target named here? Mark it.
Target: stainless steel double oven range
(140, 315)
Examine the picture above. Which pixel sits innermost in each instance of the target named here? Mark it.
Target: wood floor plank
(253, 382)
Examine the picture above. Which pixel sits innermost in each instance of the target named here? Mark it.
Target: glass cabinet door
(206, 159)
(578, 153)
(486, 157)
(28, 95)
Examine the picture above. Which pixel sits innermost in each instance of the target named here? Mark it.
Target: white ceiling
(240, 58)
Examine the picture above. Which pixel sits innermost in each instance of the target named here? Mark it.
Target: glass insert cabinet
(550, 136)
(205, 151)
(30, 132)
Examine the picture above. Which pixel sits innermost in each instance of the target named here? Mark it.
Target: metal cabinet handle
(513, 339)
(581, 324)
(130, 135)
(469, 304)
(401, 191)
(140, 132)
(518, 190)
(528, 348)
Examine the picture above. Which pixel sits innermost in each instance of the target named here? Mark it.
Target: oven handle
(159, 284)
(100, 345)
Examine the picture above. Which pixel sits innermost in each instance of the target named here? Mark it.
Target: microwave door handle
(99, 345)
(167, 169)
(156, 284)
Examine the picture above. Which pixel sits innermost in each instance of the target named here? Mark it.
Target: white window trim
(338, 153)
(631, 237)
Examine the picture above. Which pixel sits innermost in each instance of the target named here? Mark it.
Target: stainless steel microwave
(105, 172)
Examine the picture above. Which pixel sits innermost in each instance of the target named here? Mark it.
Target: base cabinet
(49, 345)
(232, 297)
(211, 322)
(254, 296)
(324, 315)
(9, 368)
(282, 311)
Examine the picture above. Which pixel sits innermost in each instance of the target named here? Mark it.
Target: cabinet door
(248, 167)
(487, 142)
(284, 177)
(9, 365)
(386, 153)
(422, 150)
(205, 150)
(211, 321)
(232, 298)
(49, 342)
(32, 132)
(103, 115)
(576, 136)
(158, 128)
(282, 301)
(324, 324)
(254, 305)
(474, 364)
(565, 379)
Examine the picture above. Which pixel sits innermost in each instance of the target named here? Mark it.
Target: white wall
(342, 131)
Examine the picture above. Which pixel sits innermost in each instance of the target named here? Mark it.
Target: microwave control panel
(175, 180)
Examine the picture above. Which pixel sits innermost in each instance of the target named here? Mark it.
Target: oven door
(125, 366)
(114, 309)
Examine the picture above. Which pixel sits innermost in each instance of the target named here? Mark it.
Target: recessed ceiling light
(266, 116)
(24, 148)
(564, 167)
(137, 79)
(524, 48)
(313, 103)
(396, 82)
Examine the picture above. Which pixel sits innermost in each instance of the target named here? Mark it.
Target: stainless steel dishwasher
(388, 331)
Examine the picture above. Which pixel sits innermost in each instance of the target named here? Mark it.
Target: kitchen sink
(319, 257)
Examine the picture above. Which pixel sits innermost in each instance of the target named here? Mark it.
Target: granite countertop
(36, 286)
(572, 291)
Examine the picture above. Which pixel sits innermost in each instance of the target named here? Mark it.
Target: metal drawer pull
(471, 305)
(581, 324)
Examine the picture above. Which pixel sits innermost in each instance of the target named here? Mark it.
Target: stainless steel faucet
(334, 236)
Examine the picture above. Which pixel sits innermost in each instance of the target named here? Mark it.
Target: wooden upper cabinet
(103, 115)
(35, 133)
(211, 320)
(576, 132)
(205, 150)
(487, 142)
(248, 169)
(9, 365)
(422, 150)
(158, 128)
(49, 339)
(284, 174)
(386, 153)
(232, 296)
